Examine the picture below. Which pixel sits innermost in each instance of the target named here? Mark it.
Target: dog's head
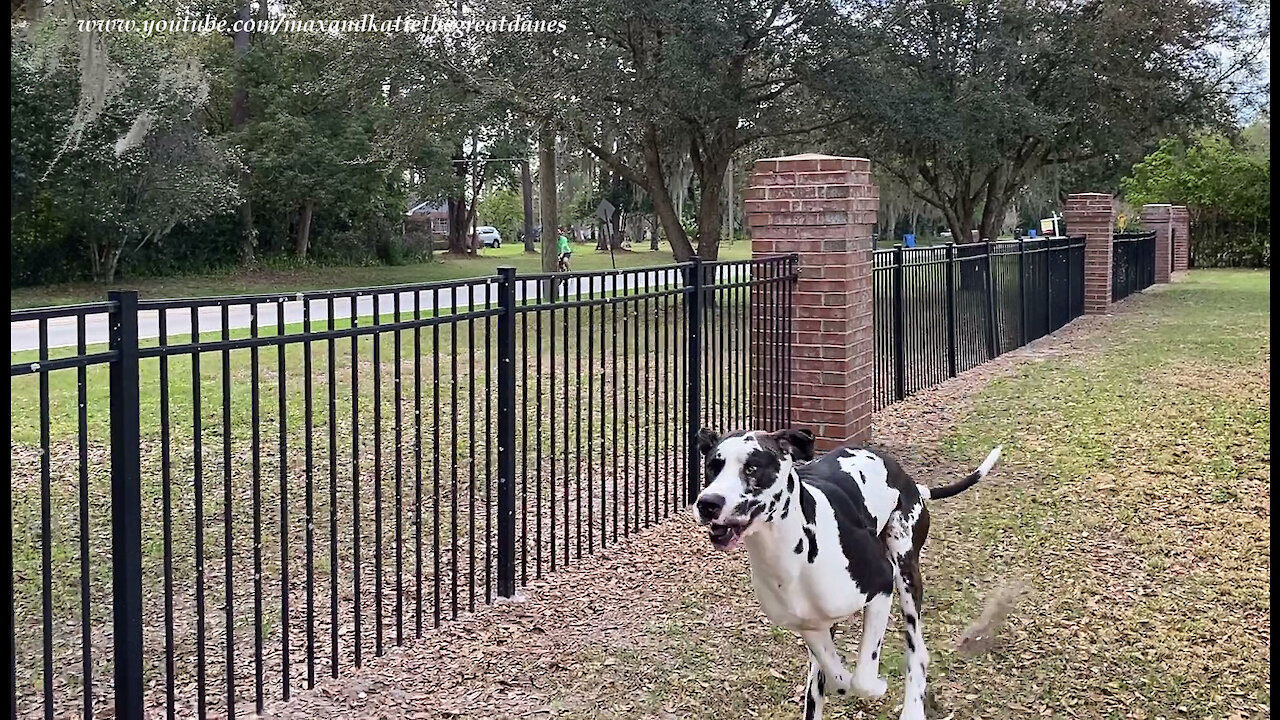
(748, 478)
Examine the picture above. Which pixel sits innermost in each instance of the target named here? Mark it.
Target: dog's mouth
(727, 536)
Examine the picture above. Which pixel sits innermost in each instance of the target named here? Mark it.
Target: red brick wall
(1093, 216)
(1181, 238)
(823, 209)
(1159, 219)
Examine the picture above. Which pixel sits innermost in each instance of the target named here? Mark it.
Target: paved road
(63, 332)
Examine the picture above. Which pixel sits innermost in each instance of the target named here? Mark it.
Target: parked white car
(489, 236)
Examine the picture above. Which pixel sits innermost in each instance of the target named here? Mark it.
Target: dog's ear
(707, 440)
(796, 441)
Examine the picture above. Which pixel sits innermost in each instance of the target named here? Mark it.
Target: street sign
(605, 211)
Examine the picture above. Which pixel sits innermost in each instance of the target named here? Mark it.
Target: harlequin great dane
(826, 538)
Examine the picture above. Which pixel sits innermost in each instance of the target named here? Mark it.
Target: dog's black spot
(743, 507)
(714, 466)
(841, 691)
(810, 706)
(765, 467)
(874, 654)
(756, 510)
(786, 508)
(807, 505)
(911, 620)
(791, 483)
(813, 544)
(911, 645)
(822, 683)
(799, 546)
(864, 552)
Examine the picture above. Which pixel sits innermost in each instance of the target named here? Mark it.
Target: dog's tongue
(725, 537)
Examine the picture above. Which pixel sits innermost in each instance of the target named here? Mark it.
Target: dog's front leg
(822, 648)
(813, 698)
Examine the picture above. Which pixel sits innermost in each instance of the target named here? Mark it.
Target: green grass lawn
(585, 257)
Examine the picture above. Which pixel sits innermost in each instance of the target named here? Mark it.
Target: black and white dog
(826, 539)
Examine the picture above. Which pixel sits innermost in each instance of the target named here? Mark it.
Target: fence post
(899, 326)
(1158, 219)
(1022, 290)
(822, 209)
(506, 432)
(1093, 216)
(126, 504)
(693, 376)
(993, 340)
(951, 309)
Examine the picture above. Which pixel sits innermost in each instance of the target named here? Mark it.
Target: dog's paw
(869, 688)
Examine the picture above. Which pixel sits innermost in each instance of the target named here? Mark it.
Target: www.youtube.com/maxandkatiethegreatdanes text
(368, 23)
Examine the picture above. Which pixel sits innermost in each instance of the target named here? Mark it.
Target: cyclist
(564, 250)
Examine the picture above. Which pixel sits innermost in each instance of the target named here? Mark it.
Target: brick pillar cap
(1089, 195)
(810, 156)
(1156, 205)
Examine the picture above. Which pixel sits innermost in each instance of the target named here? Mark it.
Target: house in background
(434, 214)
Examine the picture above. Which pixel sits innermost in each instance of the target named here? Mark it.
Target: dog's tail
(956, 488)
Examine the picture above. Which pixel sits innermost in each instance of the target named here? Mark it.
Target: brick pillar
(822, 208)
(1181, 224)
(1159, 218)
(1093, 216)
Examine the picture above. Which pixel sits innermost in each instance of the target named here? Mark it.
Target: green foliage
(967, 102)
(131, 161)
(144, 153)
(503, 209)
(1227, 188)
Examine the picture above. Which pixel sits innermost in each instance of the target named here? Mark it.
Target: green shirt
(564, 248)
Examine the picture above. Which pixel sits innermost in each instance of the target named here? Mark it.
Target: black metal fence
(1133, 263)
(218, 501)
(943, 309)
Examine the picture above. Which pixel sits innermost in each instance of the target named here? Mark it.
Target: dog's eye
(749, 471)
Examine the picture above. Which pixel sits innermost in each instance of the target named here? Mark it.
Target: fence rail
(941, 310)
(1133, 263)
(237, 496)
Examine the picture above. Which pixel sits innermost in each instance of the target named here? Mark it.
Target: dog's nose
(709, 507)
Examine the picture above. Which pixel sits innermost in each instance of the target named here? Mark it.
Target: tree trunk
(615, 231)
(459, 243)
(972, 271)
(526, 195)
(710, 207)
(547, 194)
(660, 194)
(304, 230)
(105, 259)
(457, 204)
(240, 118)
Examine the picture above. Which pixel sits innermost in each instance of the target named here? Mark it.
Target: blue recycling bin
(909, 239)
(1031, 233)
